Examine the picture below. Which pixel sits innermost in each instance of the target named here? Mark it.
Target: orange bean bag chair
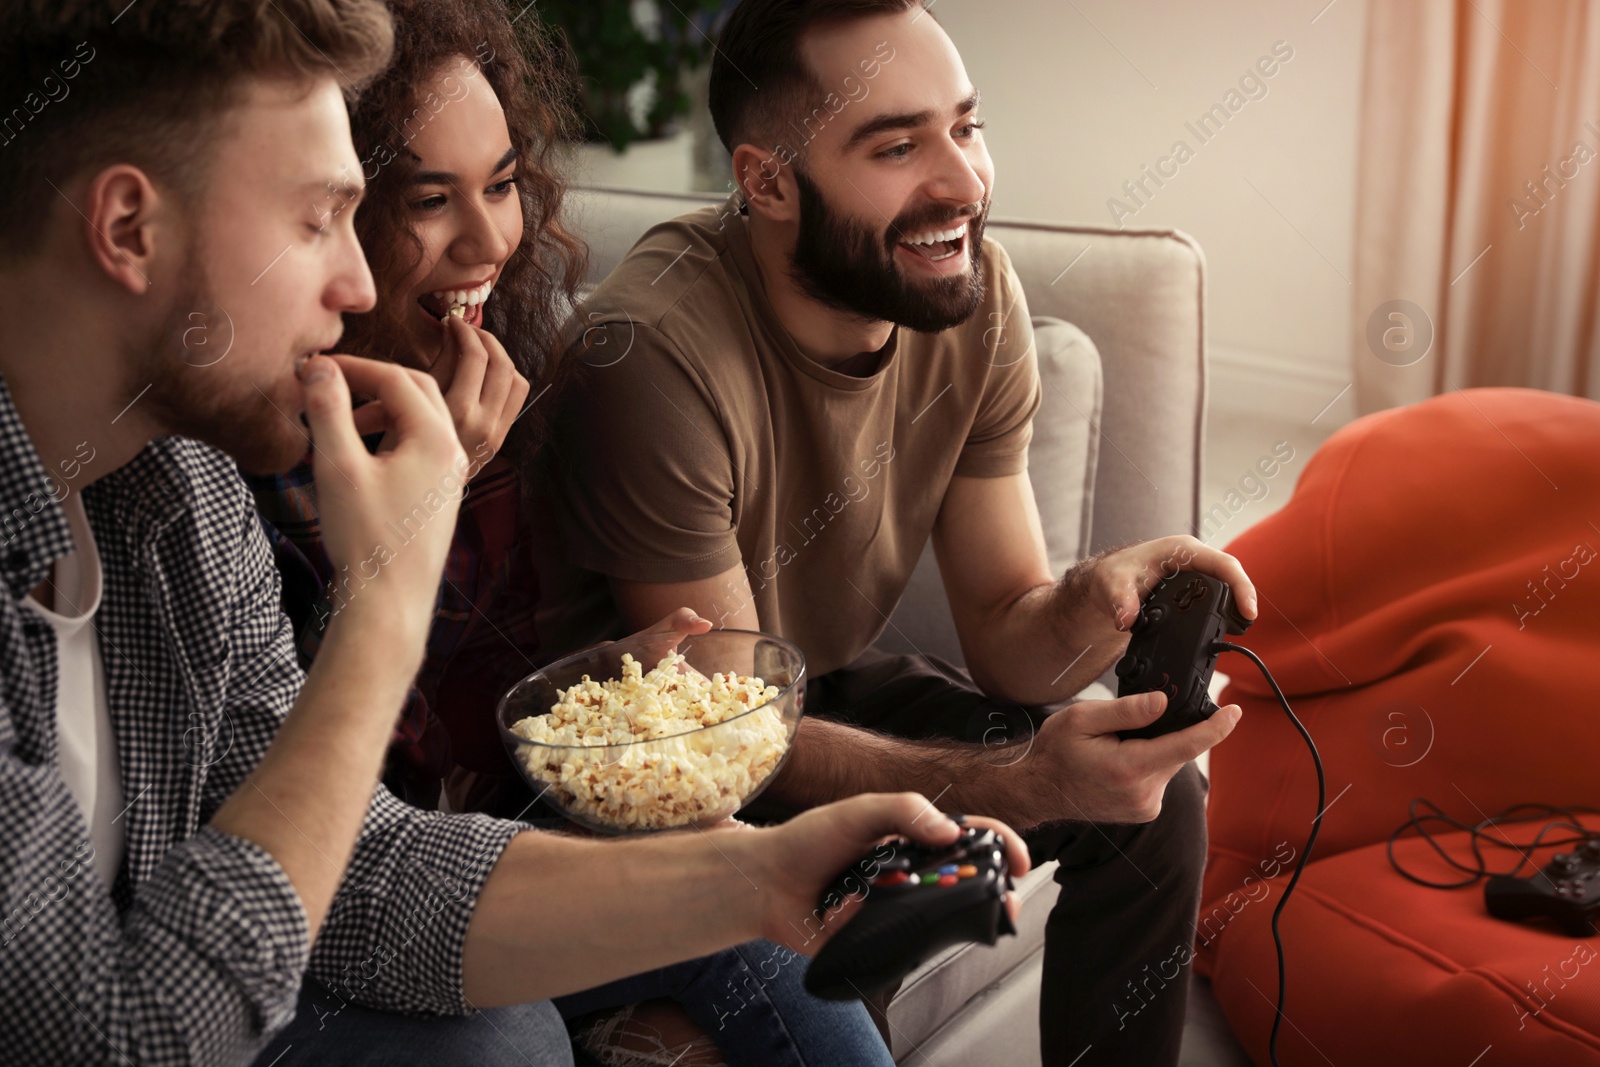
(1430, 604)
(1383, 971)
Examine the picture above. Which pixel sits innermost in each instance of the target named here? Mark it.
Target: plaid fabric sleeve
(205, 967)
(395, 932)
(220, 893)
(394, 937)
(219, 937)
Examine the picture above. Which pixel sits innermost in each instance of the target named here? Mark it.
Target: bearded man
(775, 404)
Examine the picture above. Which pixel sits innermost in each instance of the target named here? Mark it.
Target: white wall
(1079, 95)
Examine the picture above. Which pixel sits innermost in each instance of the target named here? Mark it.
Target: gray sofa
(1116, 457)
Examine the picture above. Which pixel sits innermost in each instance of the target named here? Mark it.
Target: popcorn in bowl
(655, 750)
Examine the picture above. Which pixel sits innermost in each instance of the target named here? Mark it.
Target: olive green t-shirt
(695, 437)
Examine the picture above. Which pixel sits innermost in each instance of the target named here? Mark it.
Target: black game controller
(1173, 648)
(918, 901)
(1567, 890)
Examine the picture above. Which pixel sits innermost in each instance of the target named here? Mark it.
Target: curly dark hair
(532, 74)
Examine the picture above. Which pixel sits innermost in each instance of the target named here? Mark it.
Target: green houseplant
(634, 58)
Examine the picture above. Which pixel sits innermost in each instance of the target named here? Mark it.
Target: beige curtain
(1478, 199)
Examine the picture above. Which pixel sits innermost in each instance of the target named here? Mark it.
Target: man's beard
(845, 265)
(196, 390)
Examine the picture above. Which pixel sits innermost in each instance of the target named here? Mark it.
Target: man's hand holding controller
(1078, 768)
(803, 856)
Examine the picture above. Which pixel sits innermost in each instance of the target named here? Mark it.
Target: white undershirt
(84, 741)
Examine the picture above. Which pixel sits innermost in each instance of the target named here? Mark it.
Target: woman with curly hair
(491, 239)
(475, 277)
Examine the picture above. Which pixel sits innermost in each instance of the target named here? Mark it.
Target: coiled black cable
(1490, 831)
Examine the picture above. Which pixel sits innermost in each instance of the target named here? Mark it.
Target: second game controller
(1567, 890)
(918, 900)
(1172, 648)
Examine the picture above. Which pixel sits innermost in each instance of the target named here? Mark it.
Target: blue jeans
(750, 1000)
(522, 1035)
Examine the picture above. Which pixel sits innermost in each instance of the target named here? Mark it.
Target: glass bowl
(686, 777)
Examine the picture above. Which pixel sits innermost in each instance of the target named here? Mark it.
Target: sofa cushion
(1062, 460)
(987, 1029)
(1381, 970)
(937, 990)
(1065, 451)
(1140, 293)
(1430, 603)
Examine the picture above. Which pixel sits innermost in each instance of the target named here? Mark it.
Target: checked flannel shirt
(197, 952)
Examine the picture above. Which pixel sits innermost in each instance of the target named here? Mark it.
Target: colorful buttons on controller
(946, 875)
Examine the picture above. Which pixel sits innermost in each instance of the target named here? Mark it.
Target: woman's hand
(482, 387)
(664, 636)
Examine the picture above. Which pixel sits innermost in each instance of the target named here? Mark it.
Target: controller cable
(1489, 832)
(1311, 839)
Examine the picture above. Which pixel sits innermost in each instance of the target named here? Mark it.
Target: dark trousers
(1118, 942)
